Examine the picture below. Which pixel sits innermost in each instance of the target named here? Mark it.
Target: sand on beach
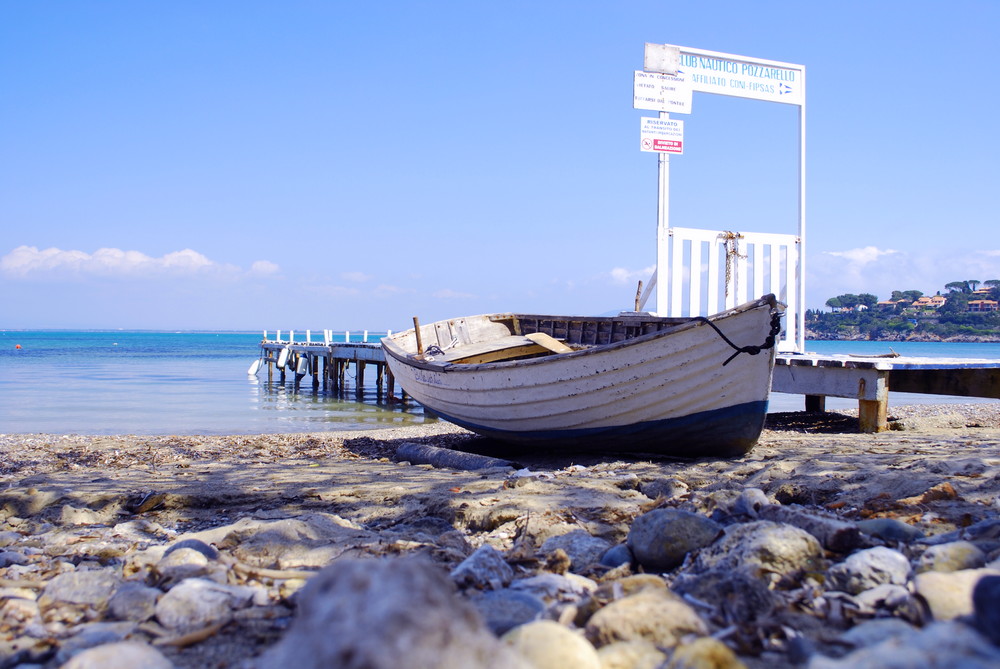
(192, 483)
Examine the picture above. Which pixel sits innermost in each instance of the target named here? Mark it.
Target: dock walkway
(864, 378)
(327, 364)
(868, 379)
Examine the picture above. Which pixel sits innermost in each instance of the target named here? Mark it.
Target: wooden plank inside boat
(548, 342)
(495, 350)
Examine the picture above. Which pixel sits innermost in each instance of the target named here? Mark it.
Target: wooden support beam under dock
(869, 379)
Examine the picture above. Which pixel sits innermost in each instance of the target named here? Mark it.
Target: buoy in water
(17, 346)
(254, 368)
(283, 358)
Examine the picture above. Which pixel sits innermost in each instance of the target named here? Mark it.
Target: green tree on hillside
(867, 299)
(958, 303)
(958, 287)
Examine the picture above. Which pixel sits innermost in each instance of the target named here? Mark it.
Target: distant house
(891, 304)
(983, 306)
(933, 302)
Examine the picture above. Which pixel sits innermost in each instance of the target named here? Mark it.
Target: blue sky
(252, 165)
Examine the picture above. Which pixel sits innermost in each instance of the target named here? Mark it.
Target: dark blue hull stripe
(727, 432)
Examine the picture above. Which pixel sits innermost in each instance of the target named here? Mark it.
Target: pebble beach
(822, 547)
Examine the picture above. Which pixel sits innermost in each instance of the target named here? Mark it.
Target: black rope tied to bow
(750, 350)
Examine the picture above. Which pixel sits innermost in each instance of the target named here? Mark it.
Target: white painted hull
(667, 392)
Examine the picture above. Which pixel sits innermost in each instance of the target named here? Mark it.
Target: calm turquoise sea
(166, 383)
(196, 383)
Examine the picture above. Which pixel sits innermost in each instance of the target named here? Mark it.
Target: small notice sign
(661, 135)
(661, 92)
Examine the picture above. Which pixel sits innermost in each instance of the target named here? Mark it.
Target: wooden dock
(327, 364)
(867, 379)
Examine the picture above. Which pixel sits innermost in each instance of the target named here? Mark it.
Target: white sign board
(661, 92)
(726, 74)
(664, 58)
(661, 135)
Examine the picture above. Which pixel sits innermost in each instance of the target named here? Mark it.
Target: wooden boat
(682, 387)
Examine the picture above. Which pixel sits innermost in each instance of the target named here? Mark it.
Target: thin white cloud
(356, 277)
(30, 262)
(621, 275)
(264, 268)
(879, 272)
(862, 256)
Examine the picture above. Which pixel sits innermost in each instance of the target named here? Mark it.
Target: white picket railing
(715, 270)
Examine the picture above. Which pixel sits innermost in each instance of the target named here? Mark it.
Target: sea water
(169, 383)
(151, 383)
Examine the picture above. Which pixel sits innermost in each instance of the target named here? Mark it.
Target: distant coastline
(922, 337)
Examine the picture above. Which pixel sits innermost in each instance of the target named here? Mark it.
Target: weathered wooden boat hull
(644, 384)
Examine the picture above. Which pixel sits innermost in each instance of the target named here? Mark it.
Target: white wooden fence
(715, 270)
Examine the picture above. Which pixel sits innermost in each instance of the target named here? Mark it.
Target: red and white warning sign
(661, 135)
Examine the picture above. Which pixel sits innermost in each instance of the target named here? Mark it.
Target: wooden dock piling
(328, 364)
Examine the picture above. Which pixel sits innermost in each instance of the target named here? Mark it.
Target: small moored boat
(681, 387)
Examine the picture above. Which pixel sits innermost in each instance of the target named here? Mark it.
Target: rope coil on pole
(749, 350)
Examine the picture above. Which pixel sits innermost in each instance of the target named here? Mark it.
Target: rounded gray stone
(652, 614)
(889, 529)
(736, 593)
(82, 587)
(502, 610)
(662, 538)
(208, 551)
(750, 502)
(386, 614)
(952, 556)
(8, 558)
(582, 548)
(181, 563)
(616, 556)
(194, 604)
(134, 601)
(485, 568)
(764, 548)
(869, 568)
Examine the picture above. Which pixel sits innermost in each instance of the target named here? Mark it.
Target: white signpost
(672, 74)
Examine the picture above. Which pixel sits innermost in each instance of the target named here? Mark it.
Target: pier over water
(327, 362)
